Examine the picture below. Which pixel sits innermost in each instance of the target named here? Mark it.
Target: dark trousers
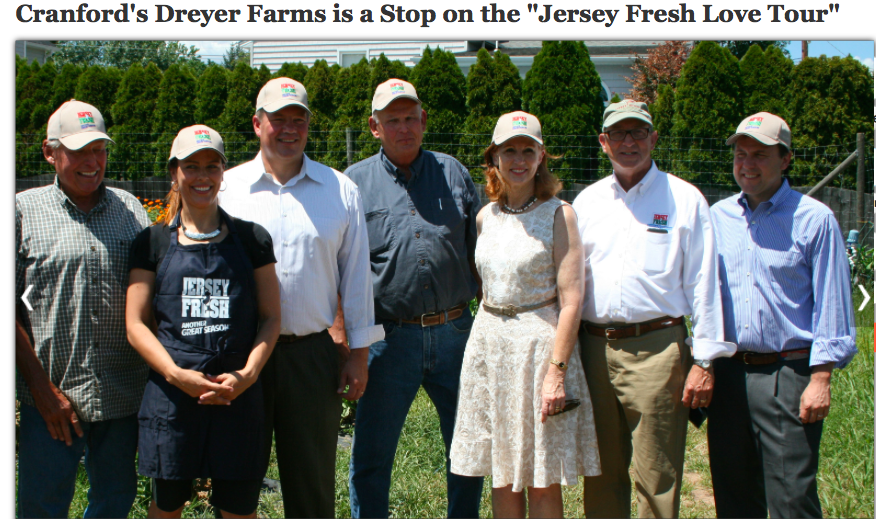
(763, 458)
(303, 410)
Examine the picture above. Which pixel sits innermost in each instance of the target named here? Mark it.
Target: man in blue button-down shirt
(420, 210)
(787, 304)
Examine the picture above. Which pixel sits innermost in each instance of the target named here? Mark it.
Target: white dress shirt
(320, 242)
(649, 253)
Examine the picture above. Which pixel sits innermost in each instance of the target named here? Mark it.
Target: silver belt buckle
(606, 334)
(424, 316)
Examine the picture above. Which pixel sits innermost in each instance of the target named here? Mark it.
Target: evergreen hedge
(825, 100)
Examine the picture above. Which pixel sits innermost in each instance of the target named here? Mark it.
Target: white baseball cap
(76, 124)
(766, 128)
(515, 124)
(281, 92)
(391, 90)
(196, 138)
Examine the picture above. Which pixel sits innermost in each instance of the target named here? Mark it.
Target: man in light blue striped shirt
(787, 303)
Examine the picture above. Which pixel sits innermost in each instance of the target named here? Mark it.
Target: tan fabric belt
(623, 331)
(759, 359)
(438, 317)
(512, 311)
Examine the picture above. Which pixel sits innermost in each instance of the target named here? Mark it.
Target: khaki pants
(636, 385)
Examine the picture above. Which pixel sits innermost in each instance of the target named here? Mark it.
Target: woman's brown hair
(546, 184)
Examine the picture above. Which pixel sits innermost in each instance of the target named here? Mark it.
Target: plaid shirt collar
(64, 201)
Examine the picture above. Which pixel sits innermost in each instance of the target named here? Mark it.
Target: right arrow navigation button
(866, 297)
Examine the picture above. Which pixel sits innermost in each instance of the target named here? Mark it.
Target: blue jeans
(408, 357)
(47, 468)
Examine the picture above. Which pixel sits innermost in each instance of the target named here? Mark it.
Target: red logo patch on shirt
(661, 219)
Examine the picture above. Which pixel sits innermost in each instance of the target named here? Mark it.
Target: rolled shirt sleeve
(700, 279)
(354, 268)
(833, 331)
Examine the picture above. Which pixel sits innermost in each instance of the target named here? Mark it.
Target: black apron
(207, 315)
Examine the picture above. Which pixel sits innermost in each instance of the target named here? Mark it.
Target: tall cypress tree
(319, 83)
(132, 132)
(440, 86)
(64, 88)
(244, 84)
(829, 104)
(352, 95)
(98, 86)
(174, 111)
(24, 96)
(264, 75)
(32, 110)
(42, 82)
(766, 76)
(294, 70)
(212, 92)
(563, 90)
(708, 107)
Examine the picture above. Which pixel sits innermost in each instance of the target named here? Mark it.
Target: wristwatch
(559, 364)
(705, 364)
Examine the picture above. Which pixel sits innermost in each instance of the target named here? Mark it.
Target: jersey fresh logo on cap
(754, 123)
(86, 120)
(396, 88)
(661, 219)
(518, 123)
(203, 137)
(288, 90)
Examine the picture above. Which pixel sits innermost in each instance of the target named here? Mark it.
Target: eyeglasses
(636, 133)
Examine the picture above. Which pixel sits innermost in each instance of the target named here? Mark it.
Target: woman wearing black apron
(203, 310)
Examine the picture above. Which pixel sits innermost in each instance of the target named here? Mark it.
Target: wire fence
(137, 162)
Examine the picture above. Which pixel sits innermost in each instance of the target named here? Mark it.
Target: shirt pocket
(655, 251)
(381, 234)
(449, 214)
(788, 274)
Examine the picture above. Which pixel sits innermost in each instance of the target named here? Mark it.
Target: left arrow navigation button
(24, 298)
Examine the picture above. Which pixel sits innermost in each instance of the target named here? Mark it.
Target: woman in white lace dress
(524, 413)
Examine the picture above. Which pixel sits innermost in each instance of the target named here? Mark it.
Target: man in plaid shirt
(79, 381)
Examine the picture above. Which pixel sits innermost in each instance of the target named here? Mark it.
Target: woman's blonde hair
(546, 184)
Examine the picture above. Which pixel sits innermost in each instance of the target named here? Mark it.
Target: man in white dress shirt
(314, 214)
(650, 259)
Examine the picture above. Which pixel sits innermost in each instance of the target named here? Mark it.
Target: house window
(605, 94)
(347, 59)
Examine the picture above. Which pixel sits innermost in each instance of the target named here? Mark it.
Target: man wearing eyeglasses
(650, 259)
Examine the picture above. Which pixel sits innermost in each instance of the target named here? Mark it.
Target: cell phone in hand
(571, 403)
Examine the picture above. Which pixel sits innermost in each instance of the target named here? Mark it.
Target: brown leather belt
(436, 318)
(623, 331)
(759, 359)
(512, 311)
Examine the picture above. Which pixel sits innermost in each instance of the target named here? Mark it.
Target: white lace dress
(498, 420)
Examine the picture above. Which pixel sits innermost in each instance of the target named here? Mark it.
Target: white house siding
(613, 75)
(613, 59)
(34, 50)
(275, 53)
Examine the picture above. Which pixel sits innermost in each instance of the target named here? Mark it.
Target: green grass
(845, 478)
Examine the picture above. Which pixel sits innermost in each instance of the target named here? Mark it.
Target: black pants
(762, 456)
(303, 411)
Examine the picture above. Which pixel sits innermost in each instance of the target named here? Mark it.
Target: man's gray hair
(375, 113)
(53, 143)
